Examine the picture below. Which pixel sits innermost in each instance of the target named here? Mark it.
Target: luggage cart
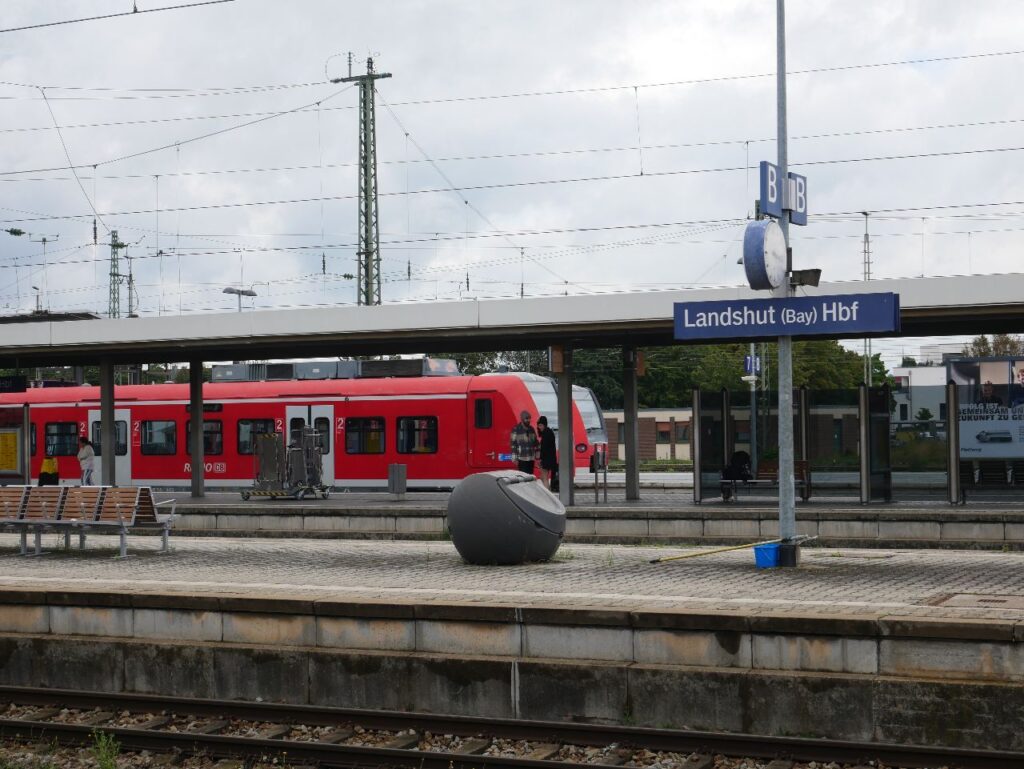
(292, 470)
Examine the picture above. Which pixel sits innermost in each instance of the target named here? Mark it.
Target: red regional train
(442, 428)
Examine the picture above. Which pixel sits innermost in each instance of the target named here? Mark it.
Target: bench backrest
(12, 499)
(146, 511)
(82, 502)
(119, 505)
(768, 470)
(44, 503)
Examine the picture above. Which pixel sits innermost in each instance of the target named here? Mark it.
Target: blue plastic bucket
(766, 556)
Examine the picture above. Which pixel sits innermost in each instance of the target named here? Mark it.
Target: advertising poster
(9, 452)
(991, 407)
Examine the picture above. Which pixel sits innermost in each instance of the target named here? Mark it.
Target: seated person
(48, 475)
(738, 469)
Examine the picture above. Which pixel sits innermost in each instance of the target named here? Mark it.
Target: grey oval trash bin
(505, 517)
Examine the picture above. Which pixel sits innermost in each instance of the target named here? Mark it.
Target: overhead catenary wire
(71, 163)
(180, 142)
(527, 183)
(568, 91)
(133, 12)
(451, 185)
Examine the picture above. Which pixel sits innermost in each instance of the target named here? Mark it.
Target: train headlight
(581, 448)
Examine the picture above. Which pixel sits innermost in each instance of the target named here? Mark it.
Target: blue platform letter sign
(771, 190)
(797, 203)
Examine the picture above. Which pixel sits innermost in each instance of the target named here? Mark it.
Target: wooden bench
(767, 476)
(83, 508)
(12, 501)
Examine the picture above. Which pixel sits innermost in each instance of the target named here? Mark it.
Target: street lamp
(239, 292)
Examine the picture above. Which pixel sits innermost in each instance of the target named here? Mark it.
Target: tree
(1000, 344)
(924, 415)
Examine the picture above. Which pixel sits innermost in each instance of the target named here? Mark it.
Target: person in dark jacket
(548, 455)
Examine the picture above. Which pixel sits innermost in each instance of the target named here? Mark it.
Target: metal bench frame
(83, 508)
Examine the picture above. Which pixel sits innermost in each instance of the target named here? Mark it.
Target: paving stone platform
(911, 646)
(936, 584)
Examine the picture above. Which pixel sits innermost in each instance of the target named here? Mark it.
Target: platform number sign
(778, 195)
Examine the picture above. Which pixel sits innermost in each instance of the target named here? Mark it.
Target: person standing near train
(524, 443)
(548, 454)
(86, 455)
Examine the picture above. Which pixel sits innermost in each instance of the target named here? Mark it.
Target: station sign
(778, 194)
(844, 315)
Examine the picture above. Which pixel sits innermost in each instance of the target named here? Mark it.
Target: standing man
(85, 460)
(524, 443)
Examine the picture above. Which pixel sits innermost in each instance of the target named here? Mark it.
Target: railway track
(334, 737)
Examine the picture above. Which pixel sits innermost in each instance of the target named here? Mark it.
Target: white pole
(787, 495)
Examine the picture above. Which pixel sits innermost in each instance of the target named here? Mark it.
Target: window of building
(120, 438)
(942, 411)
(682, 432)
(364, 435)
(213, 437)
(61, 439)
(160, 437)
(903, 412)
(482, 414)
(417, 435)
(837, 435)
(664, 434)
(322, 425)
(248, 429)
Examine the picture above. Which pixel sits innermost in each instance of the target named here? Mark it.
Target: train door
(321, 419)
(488, 442)
(123, 458)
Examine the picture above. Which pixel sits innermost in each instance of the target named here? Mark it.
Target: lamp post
(239, 292)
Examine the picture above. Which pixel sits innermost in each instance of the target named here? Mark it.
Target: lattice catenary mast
(368, 267)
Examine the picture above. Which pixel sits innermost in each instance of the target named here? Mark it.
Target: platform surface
(948, 584)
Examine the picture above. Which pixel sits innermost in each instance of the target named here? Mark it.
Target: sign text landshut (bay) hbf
(849, 315)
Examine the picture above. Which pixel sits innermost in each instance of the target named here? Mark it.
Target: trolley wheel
(245, 496)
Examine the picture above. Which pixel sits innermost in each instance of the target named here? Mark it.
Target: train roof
(229, 391)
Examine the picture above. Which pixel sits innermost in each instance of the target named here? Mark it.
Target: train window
(364, 435)
(322, 425)
(417, 435)
(61, 439)
(248, 429)
(482, 417)
(120, 439)
(159, 436)
(213, 437)
(32, 431)
(295, 427)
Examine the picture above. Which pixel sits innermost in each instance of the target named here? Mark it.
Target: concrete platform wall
(886, 678)
(838, 528)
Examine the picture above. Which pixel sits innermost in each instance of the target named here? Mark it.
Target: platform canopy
(928, 307)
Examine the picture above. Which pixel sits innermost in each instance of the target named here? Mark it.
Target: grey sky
(460, 71)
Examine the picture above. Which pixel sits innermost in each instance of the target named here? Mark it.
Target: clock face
(764, 255)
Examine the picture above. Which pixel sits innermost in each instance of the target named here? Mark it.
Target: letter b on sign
(798, 202)
(771, 192)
